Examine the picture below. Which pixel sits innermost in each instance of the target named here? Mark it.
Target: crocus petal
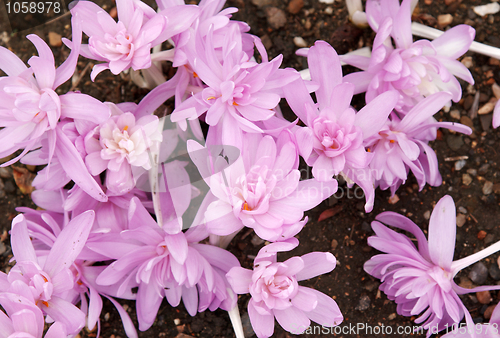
(71, 317)
(327, 312)
(69, 243)
(292, 319)
(324, 65)
(373, 116)
(442, 232)
(315, 264)
(85, 107)
(148, 302)
(454, 42)
(240, 279)
(263, 325)
(20, 240)
(10, 63)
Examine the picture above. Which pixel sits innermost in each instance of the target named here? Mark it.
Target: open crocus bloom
(276, 294)
(261, 190)
(401, 145)
(47, 285)
(127, 43)
(332, 141)
(119, 144)
(414, 69)
(421, 281)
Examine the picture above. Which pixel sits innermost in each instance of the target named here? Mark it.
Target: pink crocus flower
(47, 284)
(127, 43)
(402, 145)
(261, 190)
(120, 144)
(276, 293)
(415, 69)
(332, 141)
(30, 109)
(162, 265)
(420, 280)
(24, 319)
(239, 92)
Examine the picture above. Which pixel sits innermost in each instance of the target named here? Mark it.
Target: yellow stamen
(45, 279)
(195, 75)
(235, 104)
(368, 150)
(125, 128)
(246, 207)
(392, 141)
(79, 282)
(45, 303)
(210, 98)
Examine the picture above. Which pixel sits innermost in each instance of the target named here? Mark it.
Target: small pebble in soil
(106, 316)
(5, 172)
(483, 169)
(473, 172)
(484, 297)
(486, 121)
(276, 18)
(55, 39)
(489, 310)
(364, 303)
(459, 164)
(491, 8)
(393, 199)
(487, 188)
(444, 20)
(256, 240)
(10, 187)
(392, 316)
(462, 210)
(455, 114)
(490, 238)
(177, 321)
(294, 6)
(486, 109)
(467, 61)
(461, 220)
(334, 244)
(299, 42)
(478, 273)
(455, 142)
(494, 271)
(466, 179)
(481, 235)
(328, 10)
(427, 215)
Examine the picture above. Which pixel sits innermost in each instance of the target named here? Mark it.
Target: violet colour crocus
(120, 144)
(45, 282)
(163, 265)
(421, 281)
(332, 141)
(261, 190)
(239, 92)
(401, 145)
(30, 109)
(415, 69)
(24, 319)
(276, 293)
(127, 43)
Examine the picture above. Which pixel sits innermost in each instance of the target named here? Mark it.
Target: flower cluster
(154, 201)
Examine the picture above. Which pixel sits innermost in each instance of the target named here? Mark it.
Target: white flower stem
(432, 33)
(469, 260)
(154, 154)
(234, 315)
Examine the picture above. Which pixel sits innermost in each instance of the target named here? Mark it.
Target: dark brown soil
(345, 233)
